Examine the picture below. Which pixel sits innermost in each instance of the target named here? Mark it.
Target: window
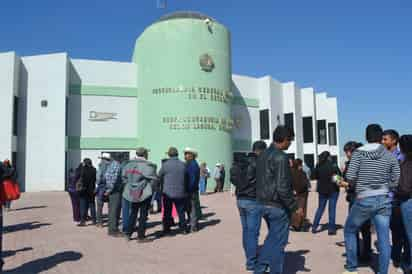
(289, 121)
(264, 124)
(15, 115)
(332, 134)
(322, 139)
(309, 160)
(308, 129)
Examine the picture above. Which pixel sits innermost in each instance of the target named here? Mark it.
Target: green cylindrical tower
(184, 88)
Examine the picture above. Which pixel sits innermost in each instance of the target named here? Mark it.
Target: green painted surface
(249, 102)
(76, 143)
(167, 56)
(103, 91)
(242, 145)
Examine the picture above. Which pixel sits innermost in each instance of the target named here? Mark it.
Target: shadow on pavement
(24, 226)
(29, 207)
(204, 225)
(44, 264)
(9, 253)
(295, 262)
(207, 215)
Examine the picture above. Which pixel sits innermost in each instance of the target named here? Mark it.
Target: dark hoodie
(373, 170)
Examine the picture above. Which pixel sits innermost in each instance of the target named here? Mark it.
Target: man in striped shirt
(375, 173)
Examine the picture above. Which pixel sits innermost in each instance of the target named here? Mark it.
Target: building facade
(178, 90)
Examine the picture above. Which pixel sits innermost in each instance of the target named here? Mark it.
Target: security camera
(207, 21)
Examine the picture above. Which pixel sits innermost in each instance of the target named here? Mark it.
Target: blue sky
(359, 51)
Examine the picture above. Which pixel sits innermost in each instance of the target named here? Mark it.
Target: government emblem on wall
(206, 63)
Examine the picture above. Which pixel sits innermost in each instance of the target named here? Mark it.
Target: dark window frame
(332, 134)
(322, 132)
(264, 122)
(289, 119)
(308, 132)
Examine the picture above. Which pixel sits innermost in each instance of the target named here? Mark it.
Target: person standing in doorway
(375, 174)
(172, 179)
(243, 177)
(114, 192)
(86, 174)
(327, 186)
(274, 192)
(204, 175)
(192, 185)
(138, 177)
(101, 198)
(400, 243)
(217, 176)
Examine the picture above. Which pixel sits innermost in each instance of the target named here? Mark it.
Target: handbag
(9, 191)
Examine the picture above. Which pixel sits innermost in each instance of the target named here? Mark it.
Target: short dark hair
(282, 133)
(374, 133)
(298, 162)
(393, 133)
(405, 143)
(259, 145)
(351, 146)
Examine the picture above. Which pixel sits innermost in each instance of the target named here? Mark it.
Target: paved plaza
(40, 237)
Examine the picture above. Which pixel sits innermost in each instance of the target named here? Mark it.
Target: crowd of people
(135, 188)
(377, 180)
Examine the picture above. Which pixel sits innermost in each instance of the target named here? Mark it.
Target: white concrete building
(54, 112)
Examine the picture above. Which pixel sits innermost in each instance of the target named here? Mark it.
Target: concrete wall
(309, 109)
(80, 124)
(103, 73)
(9, 75)
(45, 143)
(291, 95)
(247, 127)
(326, 109)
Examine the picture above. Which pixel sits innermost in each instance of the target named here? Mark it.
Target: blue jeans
(272, 253)
(202, 185)
(251, 219)
(332, 199)
(125, 215)
(406, 208)
(379, 210)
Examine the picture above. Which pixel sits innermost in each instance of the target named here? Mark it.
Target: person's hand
(343, 184)
(299, 212)
(106, 194)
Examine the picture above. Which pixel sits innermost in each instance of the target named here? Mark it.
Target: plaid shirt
(112, 176)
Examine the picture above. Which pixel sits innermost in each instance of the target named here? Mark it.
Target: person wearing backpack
(243, 177)
(138, 178)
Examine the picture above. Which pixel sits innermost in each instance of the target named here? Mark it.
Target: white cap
(218, 164)
(190, 150)
(105, 155)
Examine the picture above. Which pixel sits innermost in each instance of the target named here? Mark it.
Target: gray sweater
(172, 178)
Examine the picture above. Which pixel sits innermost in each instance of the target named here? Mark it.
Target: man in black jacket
(274, 192)
(243, 177)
